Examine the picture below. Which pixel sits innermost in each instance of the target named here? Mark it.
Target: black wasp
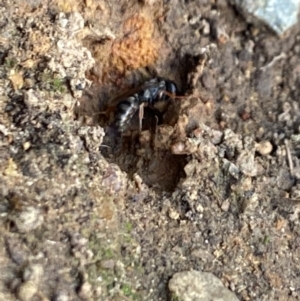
(150, 94)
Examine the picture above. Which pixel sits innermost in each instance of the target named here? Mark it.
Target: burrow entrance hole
(136, 152)
(164, 57)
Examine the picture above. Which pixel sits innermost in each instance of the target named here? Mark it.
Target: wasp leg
(141, 115)
(156, 123)
(155, 132)
(171, 95)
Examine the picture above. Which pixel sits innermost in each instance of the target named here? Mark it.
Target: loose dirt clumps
(212, 185)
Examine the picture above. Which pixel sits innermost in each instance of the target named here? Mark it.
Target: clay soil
(89, 214)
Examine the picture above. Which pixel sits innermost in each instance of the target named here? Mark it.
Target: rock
(11, 169)
(31, 99)
(246, 163)
(278, 15)
(251, 203)
(264, 147)
(16, 250)
(113, 180)
(85, 291)
(33, 273)
(6, 296)
(231, 168)
(232, 143)
(108, 264)
(199, 286)
(61, 296)
(26, 291)
(16, 78)
(173, 214)
(29, 219)
(26, 145)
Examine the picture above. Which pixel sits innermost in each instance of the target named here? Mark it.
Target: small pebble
(108, 264)
(173, 214)
(30, 99)
(225, 205)
(208, 80)
(61, 296)
(85, 291)
(200, 286)
(26, 145)
(178, 148)
(249, 204)
(264, 147)
(33, 272)
(206, 27)
(29, 219)
(26, 291)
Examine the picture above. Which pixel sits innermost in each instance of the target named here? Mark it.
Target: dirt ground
(89, 214)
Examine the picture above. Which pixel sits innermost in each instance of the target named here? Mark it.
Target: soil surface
(209, 184)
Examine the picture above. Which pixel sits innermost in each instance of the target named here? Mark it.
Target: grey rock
(231, 168)
(246, 163)
(199, 286)
(108, 264)
(277, 14)
(27, 290)
(85, 291)
(29, 219)
(264, 147)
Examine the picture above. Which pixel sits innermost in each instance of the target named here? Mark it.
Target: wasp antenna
(173, 96)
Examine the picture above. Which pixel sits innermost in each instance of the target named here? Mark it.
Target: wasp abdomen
(125, 110)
